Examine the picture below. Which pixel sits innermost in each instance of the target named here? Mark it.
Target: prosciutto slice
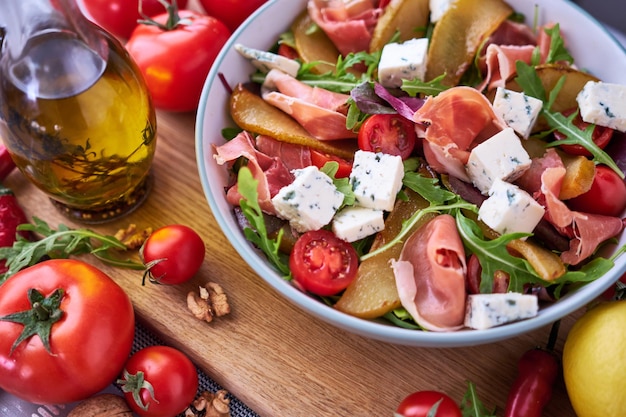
(271, 172)
(587, 230)
(319, 111)
(456, 120)
(349, 24)
(430, 275)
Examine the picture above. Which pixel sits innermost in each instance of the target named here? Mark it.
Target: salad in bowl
(432, 173)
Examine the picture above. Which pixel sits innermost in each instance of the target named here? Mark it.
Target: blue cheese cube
(403, 61)
(518, 110)
(438, 8)
(502, 156)
(376, 178)
(265, 61)
(355, 223)
(310, 201)
(483, 311)
(509, 209)
(603, 104)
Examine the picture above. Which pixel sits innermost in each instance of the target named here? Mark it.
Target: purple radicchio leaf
(405, 105)
(368, 102)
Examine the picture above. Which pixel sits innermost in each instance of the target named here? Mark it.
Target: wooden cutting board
(277, 359)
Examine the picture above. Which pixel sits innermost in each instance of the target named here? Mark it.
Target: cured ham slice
(271, 172)
(455, 120)
(317, 110)
(500, 62)
(430, 275)
(587, 230)
(294, 156)
(349, 24)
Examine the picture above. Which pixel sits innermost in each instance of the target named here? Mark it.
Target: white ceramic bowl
(594, 49)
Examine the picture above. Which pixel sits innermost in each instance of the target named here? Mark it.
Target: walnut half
(209, 303)
(210, 405)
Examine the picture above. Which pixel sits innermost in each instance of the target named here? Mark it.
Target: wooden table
(279, 360)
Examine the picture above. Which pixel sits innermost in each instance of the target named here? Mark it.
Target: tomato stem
(173, 18)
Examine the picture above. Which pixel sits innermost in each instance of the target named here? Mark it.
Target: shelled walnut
(131, 237)
(210, 405)
(209, 303)
(102, 405)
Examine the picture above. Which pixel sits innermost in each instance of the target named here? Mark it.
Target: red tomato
(173, 254)
(319, 159)
(159, 381)
(176, 61)
(119, 17)
(607, 195)
(231, 12)
(322, 263)
(420, 403)
(388, 133)
(601, 136)
(91, 324)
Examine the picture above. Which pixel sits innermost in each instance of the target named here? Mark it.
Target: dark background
(611, 12)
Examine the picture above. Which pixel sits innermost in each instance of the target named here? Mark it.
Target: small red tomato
(319, 159)
(175, 59)
(607, 195)
(388, 133)
(159, 381)
(119, 17)
(322, 263)
(173, 254)
(422, 403)
(231, 12)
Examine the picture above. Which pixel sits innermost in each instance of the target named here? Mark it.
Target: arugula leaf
(343, 185)
(429, 88)
(557, 52)
(61, 244)
(257, 234)
(471, 406)
(531, 84)
(428, 188)
(494, 256)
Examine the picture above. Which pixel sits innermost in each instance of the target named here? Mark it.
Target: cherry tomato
(159, 381)
(91, 327)
(288, 51)
(420, 403)
(173, 254)
(388, 133)
(319, 159)
(322, 263)
(231, 12)
(607, 195)
(601, 135)
(119, 17)
(175, 60)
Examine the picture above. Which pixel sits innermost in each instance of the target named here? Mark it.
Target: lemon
(594, 362)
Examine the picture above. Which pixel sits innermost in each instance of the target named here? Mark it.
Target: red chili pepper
(6, 162)
(11, 216)
(537, 372)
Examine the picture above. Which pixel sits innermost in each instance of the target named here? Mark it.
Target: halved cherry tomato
(322, 263)
(287, 51)
(422, 403)
(388, 133)
(607, 195)
(601, 135)
(319, 159)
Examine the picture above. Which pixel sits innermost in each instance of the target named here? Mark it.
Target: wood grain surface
(277, 359)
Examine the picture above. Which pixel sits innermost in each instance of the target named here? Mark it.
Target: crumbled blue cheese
(266, 61)
(310, 201)
(438, 8)
(376, 179)
(355, 223)
(509, 209)
(518, 110)
(403, 61)
(483, 311)
(502, 156)
(603, 104)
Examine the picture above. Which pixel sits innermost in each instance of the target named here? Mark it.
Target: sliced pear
(408, 17)
(313, 45)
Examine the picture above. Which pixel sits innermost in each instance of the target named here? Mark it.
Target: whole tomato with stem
(174, 52)
(173, 254)
(66, 330)
(159, 381)
(231, 12)
(119, 17)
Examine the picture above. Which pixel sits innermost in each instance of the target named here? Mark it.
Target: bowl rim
(371, 328)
